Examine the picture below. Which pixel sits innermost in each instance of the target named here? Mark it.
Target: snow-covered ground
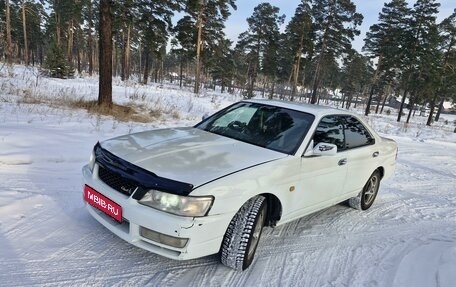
(408, 237)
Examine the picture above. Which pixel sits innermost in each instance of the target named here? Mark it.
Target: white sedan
(190, 192)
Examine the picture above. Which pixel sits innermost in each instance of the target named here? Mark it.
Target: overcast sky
(237, 23)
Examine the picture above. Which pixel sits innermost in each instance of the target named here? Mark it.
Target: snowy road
(408, 238)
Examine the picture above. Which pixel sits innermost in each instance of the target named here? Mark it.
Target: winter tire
(366, 197)
(243, 234)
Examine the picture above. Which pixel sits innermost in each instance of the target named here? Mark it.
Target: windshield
(267, 126)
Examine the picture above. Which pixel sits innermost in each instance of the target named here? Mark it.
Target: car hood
(188, 154)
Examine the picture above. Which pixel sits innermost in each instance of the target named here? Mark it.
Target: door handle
(375, 154)
(342, 161)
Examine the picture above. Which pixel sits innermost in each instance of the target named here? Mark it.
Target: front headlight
(92, 160)
(176, 204)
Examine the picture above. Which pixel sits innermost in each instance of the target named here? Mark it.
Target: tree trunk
(140, 60)
(386, 94)
(356, 100)
(296, 66)
(373, 85)
(439, 111)
(263, 92)
(251, 81)
(24, 29)
(90, 40)
(431, 111)
(122, 56)
(162, 71)
(181, 72)
(70, 41)
(9, 50)
(198, 47)
(318, 100)
(57, 25)
(79, 59)
(316, 83)
(146, 67)
(402, 106)
(40, 55)
(378, 104)
(156, 72)
(271, 94)
(105, 54)
(127, 53)
(96, 60)
(115, 56)
(369, 100)
(349, 100)
(384, 102)
(412, 107)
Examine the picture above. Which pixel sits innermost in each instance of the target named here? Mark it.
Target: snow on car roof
(308, 108)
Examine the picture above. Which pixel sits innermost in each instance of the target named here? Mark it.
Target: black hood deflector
(145, 179)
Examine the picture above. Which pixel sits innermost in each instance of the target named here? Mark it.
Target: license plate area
(101, 202)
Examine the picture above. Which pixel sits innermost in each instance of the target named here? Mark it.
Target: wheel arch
(274, 212)
(381, 169)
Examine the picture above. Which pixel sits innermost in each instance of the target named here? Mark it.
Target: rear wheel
(366, 197)
(243, 234)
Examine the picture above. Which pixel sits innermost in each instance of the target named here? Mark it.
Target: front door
(322, 177)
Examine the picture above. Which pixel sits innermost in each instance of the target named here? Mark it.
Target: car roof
(316, 110)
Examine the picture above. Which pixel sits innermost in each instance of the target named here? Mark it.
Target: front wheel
(366, 197)
(243, 234)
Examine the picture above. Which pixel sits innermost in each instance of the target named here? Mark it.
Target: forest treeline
(407, 52)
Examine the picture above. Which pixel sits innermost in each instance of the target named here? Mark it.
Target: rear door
(361, 153)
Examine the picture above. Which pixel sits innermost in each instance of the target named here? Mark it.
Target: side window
(330, 130)
(356, 134)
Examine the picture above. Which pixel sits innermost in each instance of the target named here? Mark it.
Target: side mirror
(322, 149)
(205, 116)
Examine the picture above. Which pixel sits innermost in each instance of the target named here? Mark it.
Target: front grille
(116, 181)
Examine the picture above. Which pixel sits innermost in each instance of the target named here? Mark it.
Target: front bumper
(205, 234)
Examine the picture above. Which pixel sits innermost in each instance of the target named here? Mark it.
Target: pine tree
(88, 15)
(124, 14)
(221, 65)
(154, 25)
(27, 18)
(183, 43)
(382, 42)
(420, 47)
(270, 63)
(263, 32)
(36, 17)
(335, 24)
(446, 86)
(356, 72)
(298, 43)
(56, 64)
(209, 16)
